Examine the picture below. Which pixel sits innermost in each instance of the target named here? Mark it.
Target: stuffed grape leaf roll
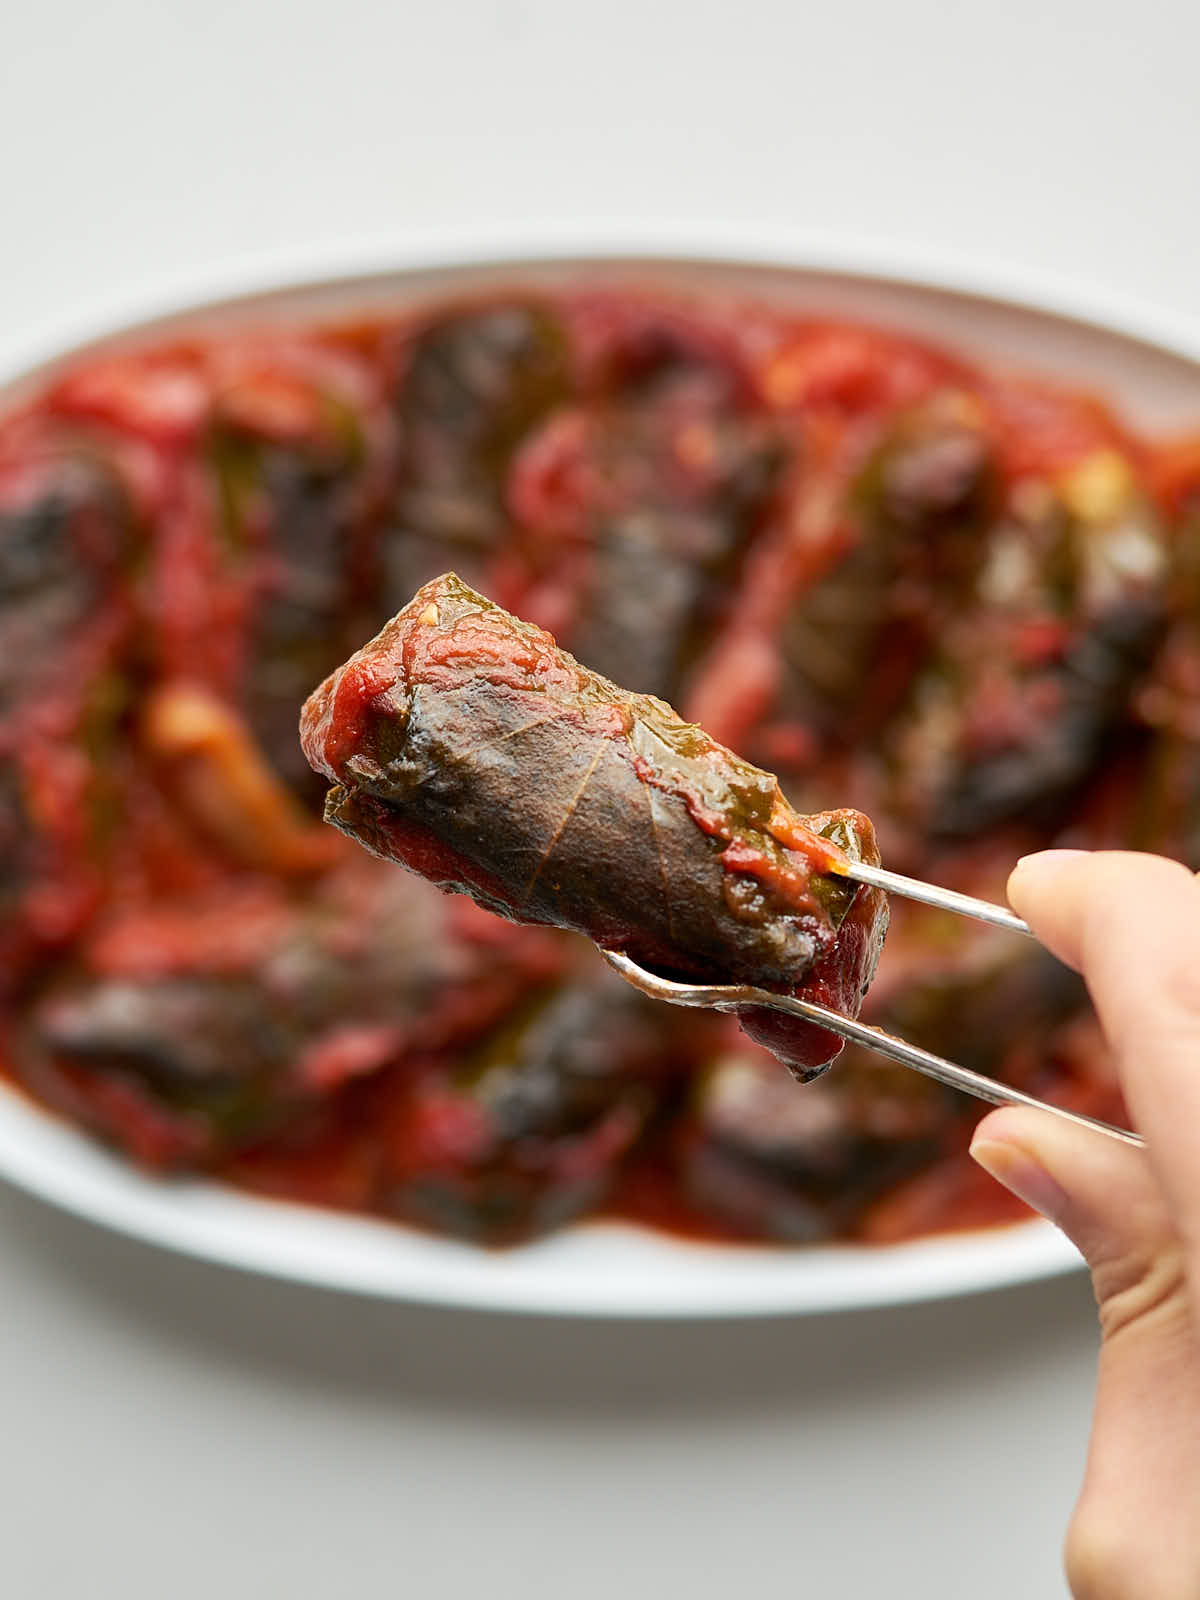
(465, 745)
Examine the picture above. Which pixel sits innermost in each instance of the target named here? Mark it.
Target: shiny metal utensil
(731, 997)
(929, 894)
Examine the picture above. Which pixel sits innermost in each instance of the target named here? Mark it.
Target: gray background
(171, 1428)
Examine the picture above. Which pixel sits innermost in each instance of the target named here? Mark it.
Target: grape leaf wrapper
(464, 745)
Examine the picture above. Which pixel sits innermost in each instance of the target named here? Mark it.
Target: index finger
(1131, 925)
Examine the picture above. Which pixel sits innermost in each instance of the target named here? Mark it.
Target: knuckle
(1134, 1287)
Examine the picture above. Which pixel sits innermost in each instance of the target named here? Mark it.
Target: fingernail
(1023, 1176)
(1049, 858)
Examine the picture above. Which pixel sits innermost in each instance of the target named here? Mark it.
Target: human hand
(1131, 925)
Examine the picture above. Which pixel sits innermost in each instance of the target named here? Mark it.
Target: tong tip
(930, 894)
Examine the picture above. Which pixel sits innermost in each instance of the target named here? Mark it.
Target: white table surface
(175, 1429)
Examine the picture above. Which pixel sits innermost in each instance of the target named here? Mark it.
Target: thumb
(1134, 1529)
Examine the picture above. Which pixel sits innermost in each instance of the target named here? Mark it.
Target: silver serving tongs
(732, 997)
